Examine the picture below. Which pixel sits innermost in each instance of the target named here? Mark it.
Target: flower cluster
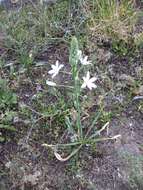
(87, 81)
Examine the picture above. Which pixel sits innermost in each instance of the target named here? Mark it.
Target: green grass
(112, 22)
(112, 19)
(8, 101)
(32, 28)
(7, 97)
(35, 27)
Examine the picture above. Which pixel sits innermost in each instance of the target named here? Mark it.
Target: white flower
(85, 61)
(79, 54)
(55, 69)
(50, 83)
(89, 82)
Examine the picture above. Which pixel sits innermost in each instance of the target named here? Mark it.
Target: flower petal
(60, 66)
(83, 85)
(91, 85)
(51, 72)
(84, 61)
(88, 76)
(54, 67)
(54, 74)
(57, 63)
(93, 79)
(50, 83)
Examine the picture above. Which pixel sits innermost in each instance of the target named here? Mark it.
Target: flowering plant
(78, 62)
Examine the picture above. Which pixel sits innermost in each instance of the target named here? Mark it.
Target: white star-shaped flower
(85, 61)
(89, 82)
(55, 69)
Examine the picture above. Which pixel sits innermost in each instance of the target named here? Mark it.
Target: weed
(76, 127)
(123, 48)
(7, 100)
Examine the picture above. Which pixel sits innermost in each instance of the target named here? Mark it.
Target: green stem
(78, 106)
(73, 59)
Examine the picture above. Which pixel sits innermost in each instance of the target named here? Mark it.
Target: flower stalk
(73, 59)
